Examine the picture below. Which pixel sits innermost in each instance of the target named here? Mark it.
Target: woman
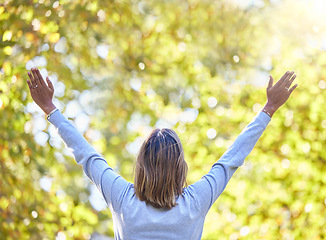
(159, 205)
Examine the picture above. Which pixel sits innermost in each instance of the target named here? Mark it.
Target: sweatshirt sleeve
(210, 186)
(110, 184)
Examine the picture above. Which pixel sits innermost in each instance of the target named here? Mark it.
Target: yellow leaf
(4, 203)
(19, 33)
(7, 36)
(7, 67)
(54, 37)
(44, 29)
(29, 36)
(7, 50)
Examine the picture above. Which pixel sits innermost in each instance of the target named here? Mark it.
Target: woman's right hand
(41, 92)
(278, 94)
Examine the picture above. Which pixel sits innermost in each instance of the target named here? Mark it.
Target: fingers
(289, 83)
(33, 83)
(287, 80)
(50, 83)
(36, 76)
(270, 83)
(36, 80)
(292, 88)
(29, 85)
(40, 78)
(282, 79)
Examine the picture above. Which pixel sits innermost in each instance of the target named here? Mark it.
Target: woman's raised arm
(94, 165)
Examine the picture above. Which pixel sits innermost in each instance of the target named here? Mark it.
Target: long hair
(161, 171)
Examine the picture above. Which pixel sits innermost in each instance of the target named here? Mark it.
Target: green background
(121, 68)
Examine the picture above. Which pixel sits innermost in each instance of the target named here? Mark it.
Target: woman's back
(134, 219)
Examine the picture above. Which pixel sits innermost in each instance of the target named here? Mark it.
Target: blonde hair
(161, 171)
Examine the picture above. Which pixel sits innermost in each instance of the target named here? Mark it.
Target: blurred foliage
(197, 66)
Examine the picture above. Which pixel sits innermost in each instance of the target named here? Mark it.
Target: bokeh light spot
(322, 84)
(211, 133)
(323, 123)
(244, 231)
(141, 65)
(236, 58)
(61, 236)
(48, 13)
(286, 163)
(308, 207)
(34, 214)
(211, 102)
(182, 46)
(285, 149)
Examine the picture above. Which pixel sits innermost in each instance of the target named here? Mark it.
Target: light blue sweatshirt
(134, 219)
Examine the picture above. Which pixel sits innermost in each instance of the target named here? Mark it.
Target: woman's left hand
(41, 92)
